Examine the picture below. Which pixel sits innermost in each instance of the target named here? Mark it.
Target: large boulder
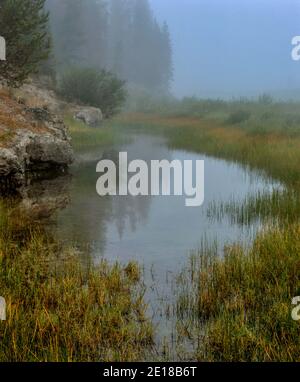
(31, 140)
(91, 116)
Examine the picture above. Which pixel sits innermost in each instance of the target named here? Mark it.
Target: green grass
(274, 154)
(242, 303)
(279, 207)
(259, 116)
(59, 309)
(85, 138)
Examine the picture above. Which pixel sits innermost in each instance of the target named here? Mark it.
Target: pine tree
(151, 65)
(166, 58)
(95, 29)
(24, 25)
(123, 37)
(71, 38)
(142, 26)
(119, 37)
(80, 31)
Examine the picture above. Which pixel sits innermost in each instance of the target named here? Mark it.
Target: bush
(238, 117)
(94, 88)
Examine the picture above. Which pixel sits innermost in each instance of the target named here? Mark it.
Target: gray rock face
(41, 145)
(91, 116)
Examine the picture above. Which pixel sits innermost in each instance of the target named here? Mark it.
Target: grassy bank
(61, 310)
(243, 302)
(275, 153)
(86, 138)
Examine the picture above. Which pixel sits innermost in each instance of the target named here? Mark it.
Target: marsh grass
(273, 152)
(59, 309)
(243, 300)
(261, 116)
(280, 207)
(277, 156)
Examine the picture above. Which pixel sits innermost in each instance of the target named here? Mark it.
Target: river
(157, 232)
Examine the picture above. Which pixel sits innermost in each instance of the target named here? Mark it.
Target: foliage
(120, 35)
(24, 25)
(94, 88)
(238, 116)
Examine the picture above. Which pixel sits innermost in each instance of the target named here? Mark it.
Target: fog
(217, 48)
(225, 48)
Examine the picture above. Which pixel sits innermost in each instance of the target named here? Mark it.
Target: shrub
(238, 116)
(94, 88)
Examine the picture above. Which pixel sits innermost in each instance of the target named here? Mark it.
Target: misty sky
(232, 47)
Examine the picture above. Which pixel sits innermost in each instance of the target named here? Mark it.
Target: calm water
(158, 232)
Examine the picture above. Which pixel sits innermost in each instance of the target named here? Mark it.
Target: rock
(35, 97)
(9, 163)
(31, 140)
(91, 116)
(46, 151)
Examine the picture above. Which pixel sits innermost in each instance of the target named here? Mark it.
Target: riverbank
(276, 153)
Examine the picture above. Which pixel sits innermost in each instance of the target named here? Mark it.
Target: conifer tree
(24, 25)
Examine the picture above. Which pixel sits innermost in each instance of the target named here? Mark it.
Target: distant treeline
(122, 36)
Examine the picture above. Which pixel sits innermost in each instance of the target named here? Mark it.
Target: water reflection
(41, 197)
(153, 230)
